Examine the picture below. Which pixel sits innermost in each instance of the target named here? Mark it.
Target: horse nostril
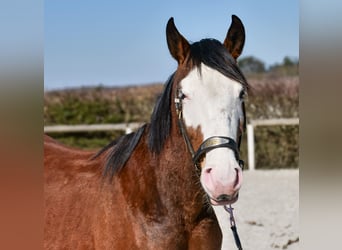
(237, 177)
(208, 170)
(223, 197)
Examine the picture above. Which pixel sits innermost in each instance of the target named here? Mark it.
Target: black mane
(213, 54)
(207, 51)
(121, 150)
(123, 147)
(161, 119)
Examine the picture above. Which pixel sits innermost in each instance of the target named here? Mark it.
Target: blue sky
(118, 43)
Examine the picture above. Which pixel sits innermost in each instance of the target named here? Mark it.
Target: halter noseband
(209, 144)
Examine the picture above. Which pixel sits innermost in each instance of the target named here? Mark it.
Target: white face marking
(213, 103)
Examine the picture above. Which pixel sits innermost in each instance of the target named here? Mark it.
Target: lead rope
(233, 226)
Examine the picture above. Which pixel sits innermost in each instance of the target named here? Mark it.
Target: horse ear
(178, 46)
(235, 38)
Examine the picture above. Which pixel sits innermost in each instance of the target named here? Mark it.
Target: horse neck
(167, 181)
(178, 182)
(179, 177)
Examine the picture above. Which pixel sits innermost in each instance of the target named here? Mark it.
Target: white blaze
(212, 103)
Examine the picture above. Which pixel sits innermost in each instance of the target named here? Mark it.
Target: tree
(251, 64)
(289, 66)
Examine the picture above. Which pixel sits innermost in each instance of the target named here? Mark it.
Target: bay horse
(151, 189)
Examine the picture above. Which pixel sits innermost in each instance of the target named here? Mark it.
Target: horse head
(209, 92)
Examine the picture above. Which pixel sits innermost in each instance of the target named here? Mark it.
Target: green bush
(269, 97)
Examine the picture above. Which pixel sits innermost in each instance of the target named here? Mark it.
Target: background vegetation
(274, 93)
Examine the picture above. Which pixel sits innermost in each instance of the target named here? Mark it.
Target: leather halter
(209, 144)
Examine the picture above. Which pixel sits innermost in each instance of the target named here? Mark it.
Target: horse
(151, 189)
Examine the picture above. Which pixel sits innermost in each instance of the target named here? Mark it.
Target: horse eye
(181, 95)
(242, 94)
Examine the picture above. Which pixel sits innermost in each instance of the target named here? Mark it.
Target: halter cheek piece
(209, 144)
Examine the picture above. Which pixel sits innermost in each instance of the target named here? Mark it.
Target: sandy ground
(266, 213)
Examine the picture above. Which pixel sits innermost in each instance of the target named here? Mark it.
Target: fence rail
(275, 122)
(250, 134)
(129, 127)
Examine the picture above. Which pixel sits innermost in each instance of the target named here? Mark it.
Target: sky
(118, 43)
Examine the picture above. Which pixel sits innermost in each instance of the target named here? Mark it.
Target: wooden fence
(250, 134)
(129, 127)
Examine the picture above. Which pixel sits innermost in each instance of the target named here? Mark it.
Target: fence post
(250, 147)
(128, 130)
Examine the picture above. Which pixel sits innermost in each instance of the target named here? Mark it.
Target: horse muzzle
(221, 184)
